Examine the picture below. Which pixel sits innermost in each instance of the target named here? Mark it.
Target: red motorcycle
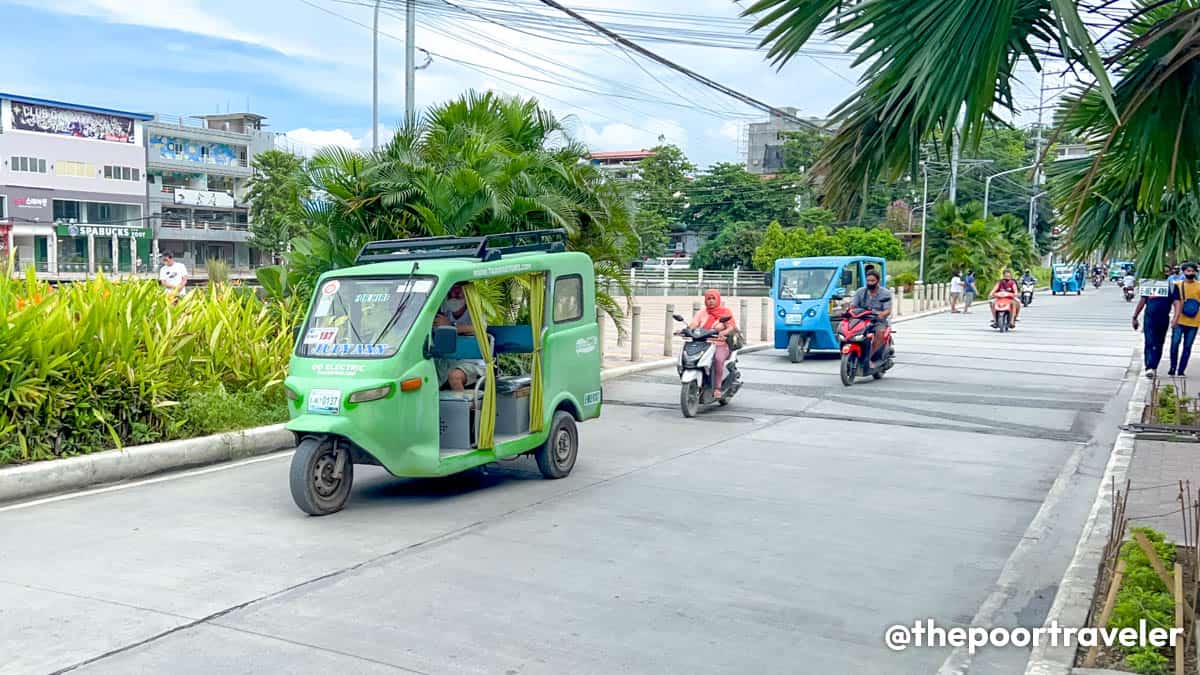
(1004, 310)
(856, 334)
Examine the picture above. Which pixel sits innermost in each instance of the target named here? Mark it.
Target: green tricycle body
(367, 380)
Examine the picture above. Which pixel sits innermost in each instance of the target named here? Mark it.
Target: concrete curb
(1075, 592)
(74, 473)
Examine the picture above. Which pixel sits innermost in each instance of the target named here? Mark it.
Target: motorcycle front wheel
(689, 398)
(1002, 320)
(849, 369)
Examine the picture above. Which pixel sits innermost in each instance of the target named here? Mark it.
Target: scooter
(1026, 295)
(1097, 279)
(856, 335)
(1004, 311)
(1129, 294)
(695, 371)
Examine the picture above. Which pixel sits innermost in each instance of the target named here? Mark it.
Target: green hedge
(95, 365)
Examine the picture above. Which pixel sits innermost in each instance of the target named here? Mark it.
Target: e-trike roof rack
(485, 248)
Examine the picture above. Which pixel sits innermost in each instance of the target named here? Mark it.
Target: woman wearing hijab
(710, 317)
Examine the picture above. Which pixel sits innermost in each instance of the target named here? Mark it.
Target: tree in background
(800, 242)
(659, 197)
(277, 193)
(801, 148)
(733, 247)
(479, 164)
(730, 194)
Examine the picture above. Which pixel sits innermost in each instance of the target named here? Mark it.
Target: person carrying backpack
(1186, 296)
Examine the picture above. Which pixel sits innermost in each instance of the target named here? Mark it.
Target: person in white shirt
(1130, 281)
(956, 291)
(173, 276)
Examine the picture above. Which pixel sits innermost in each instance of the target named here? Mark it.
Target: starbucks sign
(81, 230)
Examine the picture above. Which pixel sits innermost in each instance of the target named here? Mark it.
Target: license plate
(794, 318)
(325, 401)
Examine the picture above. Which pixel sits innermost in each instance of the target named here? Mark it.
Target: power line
(717, 86)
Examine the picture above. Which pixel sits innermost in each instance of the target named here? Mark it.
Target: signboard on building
(50, 120)
(121, 231)
(30, 202)
(203, 198)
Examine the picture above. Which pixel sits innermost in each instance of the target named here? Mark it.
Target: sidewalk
(654, 326)
(1154, 475)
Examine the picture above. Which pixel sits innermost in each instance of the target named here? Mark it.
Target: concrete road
(779, 535)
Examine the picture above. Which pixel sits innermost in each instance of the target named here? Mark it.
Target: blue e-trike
(1065, 280)
(805, 294)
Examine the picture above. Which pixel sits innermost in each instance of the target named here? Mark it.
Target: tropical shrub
(802, 243)
(95, 365)
(1143, 596)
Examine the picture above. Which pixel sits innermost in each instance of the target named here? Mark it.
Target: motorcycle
(1097, 279)
(1004, 311)
(1129, 292)
(855, 334)
(695, 371)
(1026, 295)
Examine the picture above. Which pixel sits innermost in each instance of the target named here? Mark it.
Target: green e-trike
(377, 377)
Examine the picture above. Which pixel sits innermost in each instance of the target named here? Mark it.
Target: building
(764, 142)
(621, 164)
(1071, 151)
(72, 187)
(198, 170)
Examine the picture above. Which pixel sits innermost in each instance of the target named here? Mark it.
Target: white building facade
(72, 187)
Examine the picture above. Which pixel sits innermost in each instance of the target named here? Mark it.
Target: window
(76, 169)
(122, 173)
(3, 207)
(351, 315)
(27, 164)
(66, 210)
(804, 284)
(568, 298)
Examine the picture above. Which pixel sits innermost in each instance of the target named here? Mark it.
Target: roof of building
(75, 106)
(622, 154)
(232, 116)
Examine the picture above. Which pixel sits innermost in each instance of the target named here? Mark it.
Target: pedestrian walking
(1156, 300)
(956, 291)
(1186, 296)
(969, 291)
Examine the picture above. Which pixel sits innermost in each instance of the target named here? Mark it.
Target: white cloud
(306, 141)
(621, 136)
(729, 130)
(177, 15)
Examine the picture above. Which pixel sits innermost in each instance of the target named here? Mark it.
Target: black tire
(1002, 320)
(689, 398)
(314, 489)
(849, 369)
(797, 347)
(556, 457)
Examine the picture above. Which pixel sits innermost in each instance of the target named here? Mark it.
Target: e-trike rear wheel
(556, 457)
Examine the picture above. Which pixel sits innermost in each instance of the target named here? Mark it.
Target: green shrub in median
(94, 365)
(1144, 596)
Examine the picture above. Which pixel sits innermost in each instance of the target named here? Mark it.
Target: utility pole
(954, 154)
(924, 216)
(1033, 213)
(410, 62)
(375, 81)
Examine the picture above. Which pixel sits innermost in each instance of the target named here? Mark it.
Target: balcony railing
(184, 224)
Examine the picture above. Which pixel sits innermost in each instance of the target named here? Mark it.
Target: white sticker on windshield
(415, 285)
(323, 306)
(320, 336)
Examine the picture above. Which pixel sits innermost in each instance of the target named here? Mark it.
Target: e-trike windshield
(804, 284)
(356, 317)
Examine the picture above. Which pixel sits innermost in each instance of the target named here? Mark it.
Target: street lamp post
(924, 216)
(987, 185)
(1032, 212)
(375, 81)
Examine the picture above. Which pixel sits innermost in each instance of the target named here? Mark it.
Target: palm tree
(939, 67)
(480, 164)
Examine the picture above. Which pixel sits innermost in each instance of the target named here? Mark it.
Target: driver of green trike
(457, 374)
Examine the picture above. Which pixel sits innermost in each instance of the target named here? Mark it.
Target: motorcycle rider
(1006, 284)
(874, 297)
(1130, 281)
(1028, 279)
(711, 317)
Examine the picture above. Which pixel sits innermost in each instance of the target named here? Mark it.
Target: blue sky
(306, 65)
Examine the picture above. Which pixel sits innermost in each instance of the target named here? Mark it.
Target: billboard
(61, 121)
(203, 198)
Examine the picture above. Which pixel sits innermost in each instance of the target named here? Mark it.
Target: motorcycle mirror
(839, 293)
(677, 317)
